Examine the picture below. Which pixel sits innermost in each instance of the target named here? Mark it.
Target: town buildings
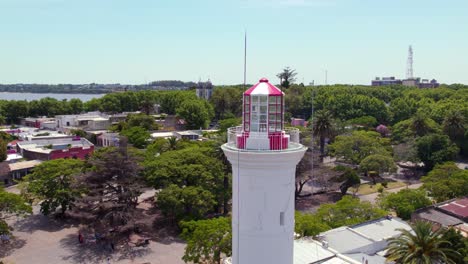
(413, 82)
(448, 214)
(204, 90)
(50, 149)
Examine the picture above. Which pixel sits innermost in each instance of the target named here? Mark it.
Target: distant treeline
(94, 88)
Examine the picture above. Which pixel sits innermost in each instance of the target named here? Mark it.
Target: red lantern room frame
(263, 115)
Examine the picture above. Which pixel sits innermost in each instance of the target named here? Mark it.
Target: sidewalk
(373, 196)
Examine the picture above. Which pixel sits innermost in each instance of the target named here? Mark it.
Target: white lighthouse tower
(264, 156)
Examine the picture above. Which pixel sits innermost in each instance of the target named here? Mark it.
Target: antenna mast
(245, 57)
(409, 66)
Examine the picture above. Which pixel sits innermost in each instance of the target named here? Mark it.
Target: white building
(204, 90)
(264, 158)
(89, 121)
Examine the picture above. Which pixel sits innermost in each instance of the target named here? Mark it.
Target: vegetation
(287, 77)
(422, 245)
(405, 202)
(207, 240)
(53, 182)
(11, 205)
(446, 181)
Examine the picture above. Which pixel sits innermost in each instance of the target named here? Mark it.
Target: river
(37, 96)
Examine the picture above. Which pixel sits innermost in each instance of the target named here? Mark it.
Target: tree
(458, 243)
(454, 125)
(3, 150)
(11, 205)
(137, 136)
(348, 211)
(421, 125)
(193, 166)
(349, 179)
(54, 183)
(196, 113)
(307, 225)
(78, 132)
(377, 163)
(405, 202)
(192, 202)
(112, 186)
(141, 120)
(446, 181)
(207, 240)
(75, 105)
(229, 122)
(287, 77)
(421, 245)
(323, 128)
(434, 149)
(360, 144)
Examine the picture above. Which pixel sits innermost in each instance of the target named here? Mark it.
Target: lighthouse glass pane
(263, 118)
(272, 118)
(263, 99)
(272, 109)
(263, 109)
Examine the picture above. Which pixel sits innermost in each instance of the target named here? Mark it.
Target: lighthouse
(263, 155)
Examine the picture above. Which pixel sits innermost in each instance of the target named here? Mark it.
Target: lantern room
(263, 112)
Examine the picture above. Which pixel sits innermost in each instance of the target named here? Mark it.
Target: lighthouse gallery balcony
(286, 140)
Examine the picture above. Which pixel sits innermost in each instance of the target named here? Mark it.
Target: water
(37, 96)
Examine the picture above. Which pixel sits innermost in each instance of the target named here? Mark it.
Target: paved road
(373, 196)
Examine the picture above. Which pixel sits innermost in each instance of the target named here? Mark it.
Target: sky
(138, 41)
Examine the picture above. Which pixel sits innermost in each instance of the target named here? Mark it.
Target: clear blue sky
(137, 41)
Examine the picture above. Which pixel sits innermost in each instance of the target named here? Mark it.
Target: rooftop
(458, 208)
(24, 165)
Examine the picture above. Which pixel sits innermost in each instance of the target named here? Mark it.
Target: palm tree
(171, 143)
(287, 76)
(421, 124)
(420, 246)
(454, 125)
(323, 127)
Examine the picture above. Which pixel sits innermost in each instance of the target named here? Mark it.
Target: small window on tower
(282, 219)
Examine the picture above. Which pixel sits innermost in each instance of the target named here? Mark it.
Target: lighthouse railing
(288, 139)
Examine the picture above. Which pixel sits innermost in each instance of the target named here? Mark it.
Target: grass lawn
(367, 188)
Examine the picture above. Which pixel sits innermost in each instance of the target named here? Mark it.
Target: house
(49, 149)
(11, 172)
(365, 242)
(452, 213)
(188, 135)
(39, 122)
(298, 122)
(108, 140)
(89, 121)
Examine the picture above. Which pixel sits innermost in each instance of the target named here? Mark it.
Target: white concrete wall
(263, 187)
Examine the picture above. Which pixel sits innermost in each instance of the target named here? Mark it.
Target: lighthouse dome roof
(264, 87)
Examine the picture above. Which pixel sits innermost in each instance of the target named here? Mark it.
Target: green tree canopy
(142, 120)
(348, 211)
(196, 113)
(11, 205)
(308, 225)
(137, 136)
(355, 147)
(54, 183)
(207, 240)
(405, 202)
(446, 181)
(434, 149)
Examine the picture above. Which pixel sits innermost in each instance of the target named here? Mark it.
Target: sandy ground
(41, 240)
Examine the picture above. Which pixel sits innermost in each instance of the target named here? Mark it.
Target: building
(39, 122)
(307, 251)
(263, 156)
(188, 135)
(411, 82)
(108, 139)
(88, 122)
(204, 90)
(448, 214)
(11, 172)
(366, 242)
(299, 122)
(50, 149)
(386, 81)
